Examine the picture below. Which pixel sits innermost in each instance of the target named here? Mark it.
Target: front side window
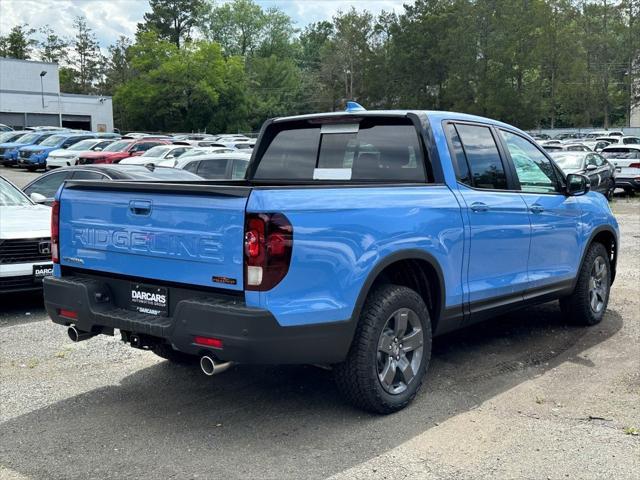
(191, 167)
(535, 171)
(483, 157)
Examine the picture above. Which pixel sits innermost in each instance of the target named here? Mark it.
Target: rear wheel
(588, 302)
(390, 352)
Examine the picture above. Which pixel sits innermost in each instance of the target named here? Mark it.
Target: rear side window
(213, 169)
(372, 150)
(482, 154)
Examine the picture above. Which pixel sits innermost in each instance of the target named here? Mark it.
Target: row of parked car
(47, 148)
(610, 159)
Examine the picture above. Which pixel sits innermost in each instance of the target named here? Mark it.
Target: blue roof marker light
(354, 107)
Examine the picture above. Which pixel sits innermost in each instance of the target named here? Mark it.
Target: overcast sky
(111, 18)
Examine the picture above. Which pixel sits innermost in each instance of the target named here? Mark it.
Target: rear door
(555, 240)
(192, 235)
(497, 217)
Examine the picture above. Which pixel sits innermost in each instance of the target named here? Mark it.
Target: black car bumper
(628, 182)
(248, 335)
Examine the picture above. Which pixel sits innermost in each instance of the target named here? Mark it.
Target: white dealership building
(30, 96)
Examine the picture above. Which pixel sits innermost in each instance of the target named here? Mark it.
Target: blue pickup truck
(354, 239)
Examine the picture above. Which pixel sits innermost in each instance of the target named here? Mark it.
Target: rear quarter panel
(341, 234)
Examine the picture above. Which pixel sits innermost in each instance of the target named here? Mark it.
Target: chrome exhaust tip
(78, 335)
(210, 366)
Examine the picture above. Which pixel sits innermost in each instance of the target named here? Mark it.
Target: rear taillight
(55, 232)
(634, 165)
(268, 243)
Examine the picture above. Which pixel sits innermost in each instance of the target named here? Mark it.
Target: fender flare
(410, 254)
(592, 236)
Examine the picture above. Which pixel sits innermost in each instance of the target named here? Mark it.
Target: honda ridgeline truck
(355, 238)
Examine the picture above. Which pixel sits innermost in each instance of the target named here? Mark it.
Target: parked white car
(193, 153)
(67, 157)
(157, 154)
(216, 166)
(25, 240)
(626, 159)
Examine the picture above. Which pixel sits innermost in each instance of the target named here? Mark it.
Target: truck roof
(432, 115)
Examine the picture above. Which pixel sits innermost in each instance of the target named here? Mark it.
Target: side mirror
(137, 154)
(170, 156)
(38, 197)
(577, 184)
(591, 168)
(98, 149)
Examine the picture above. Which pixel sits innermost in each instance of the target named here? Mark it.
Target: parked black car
(44, 188)
(601, 173)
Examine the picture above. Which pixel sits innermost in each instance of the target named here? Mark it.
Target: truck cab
(354, 239)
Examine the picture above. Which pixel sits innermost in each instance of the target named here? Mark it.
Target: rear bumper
(19, 277)
(628, 182)
(249, 335)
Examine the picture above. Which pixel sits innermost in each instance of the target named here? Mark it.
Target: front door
(555, 244)
(498, 221)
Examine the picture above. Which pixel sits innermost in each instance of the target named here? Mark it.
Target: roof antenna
(354, 107)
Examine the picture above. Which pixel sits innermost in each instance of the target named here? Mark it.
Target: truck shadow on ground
(170, 421)
(22, 307)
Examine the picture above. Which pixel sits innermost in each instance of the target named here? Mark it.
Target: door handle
(535, 208)
(479, 207)
(140, 207)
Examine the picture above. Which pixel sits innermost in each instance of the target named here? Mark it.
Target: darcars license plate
(149, 299)
(41, 271)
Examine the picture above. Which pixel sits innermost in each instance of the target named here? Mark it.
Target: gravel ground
(521, 396)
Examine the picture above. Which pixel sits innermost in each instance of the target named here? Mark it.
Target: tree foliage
(201, 64)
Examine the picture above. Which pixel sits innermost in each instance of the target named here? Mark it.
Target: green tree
(18, 42)
(53, 48)
(85, 57)
(172, 20)
(237, 26)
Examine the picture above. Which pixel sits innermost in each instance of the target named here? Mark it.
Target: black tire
(579, 306)
(165, 351)
(358, 378)
(629, 191)
(31, 169)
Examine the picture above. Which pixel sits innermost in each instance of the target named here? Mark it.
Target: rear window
(371, 150)
(622, 153)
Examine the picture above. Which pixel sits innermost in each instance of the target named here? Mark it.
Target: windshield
(28, 138)
(156, 151)
(118, 146)
(621, 153)
(568, 161)
(83, 145)
(10, 196)
(53, 141)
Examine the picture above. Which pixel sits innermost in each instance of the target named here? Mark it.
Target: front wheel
(588, 302)
(390, 352)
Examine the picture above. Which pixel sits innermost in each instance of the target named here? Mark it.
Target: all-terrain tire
(357, 377)
(578, 307)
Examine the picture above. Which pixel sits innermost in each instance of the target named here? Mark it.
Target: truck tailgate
(193, 237)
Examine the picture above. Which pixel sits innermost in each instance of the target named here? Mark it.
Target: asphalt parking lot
(521, 396)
